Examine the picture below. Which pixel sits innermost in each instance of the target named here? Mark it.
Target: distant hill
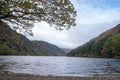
(13, 43)
(49, 48)
(66, 50)
(105, 45)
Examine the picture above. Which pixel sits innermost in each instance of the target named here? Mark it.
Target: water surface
(75, 66)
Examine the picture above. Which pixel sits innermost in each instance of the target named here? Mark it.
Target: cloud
(93, 18)
(97, 16)
(89, 14)
(44, 29)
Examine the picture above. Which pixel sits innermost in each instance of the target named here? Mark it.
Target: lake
(60, 66)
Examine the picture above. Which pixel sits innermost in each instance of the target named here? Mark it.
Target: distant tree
(24, 13)
(112, 46)
(107, 48)
(116, 45)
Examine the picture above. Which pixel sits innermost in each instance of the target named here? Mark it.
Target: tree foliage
(24, 13)
(112, 46)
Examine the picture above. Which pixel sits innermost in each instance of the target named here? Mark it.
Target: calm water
(43, 65)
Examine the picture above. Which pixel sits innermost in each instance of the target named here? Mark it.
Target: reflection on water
(44, 65)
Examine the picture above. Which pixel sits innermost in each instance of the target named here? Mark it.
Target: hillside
(106, 44)
(66, 50)
(13, 43)
(50, 48)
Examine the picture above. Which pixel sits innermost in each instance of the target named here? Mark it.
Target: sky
(93, 18)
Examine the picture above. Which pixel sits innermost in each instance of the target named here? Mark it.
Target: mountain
(50, 48)
(66, 50)
(13, 43)
(106, 44)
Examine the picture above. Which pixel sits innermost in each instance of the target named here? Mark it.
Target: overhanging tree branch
(24, 12)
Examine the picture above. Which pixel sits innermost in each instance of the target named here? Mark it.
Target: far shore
(13, 76)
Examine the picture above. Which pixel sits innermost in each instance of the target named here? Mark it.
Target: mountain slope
(105, 45)
(66, 50)
(13, 43)
(49, 48)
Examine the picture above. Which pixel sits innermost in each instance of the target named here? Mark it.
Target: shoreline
(16, 76)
